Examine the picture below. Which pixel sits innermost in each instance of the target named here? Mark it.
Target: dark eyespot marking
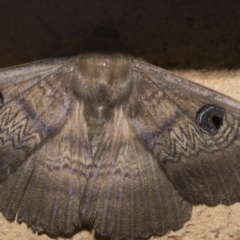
(210, 118)
(1, 100)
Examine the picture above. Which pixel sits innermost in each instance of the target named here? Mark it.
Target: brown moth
(107, 141)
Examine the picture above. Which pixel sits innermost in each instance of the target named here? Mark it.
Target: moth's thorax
(103, 77)
(96, 116)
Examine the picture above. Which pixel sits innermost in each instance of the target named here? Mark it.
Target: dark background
(169, 33)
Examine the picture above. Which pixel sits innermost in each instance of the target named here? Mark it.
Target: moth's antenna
(49, 29)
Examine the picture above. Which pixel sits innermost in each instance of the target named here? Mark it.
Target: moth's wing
(35, 102)
(43, 135)
(45, 192)
(203, 166)
(127, 194)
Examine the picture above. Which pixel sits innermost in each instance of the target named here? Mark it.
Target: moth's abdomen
(105, 78)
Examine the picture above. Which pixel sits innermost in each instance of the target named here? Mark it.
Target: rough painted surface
(170, 34)
(206, 224)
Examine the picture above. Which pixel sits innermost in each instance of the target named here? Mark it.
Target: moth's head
(104, 70)
(106, 79)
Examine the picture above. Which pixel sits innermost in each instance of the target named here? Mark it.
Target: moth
(111, 142)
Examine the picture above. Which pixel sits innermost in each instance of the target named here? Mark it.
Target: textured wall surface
(195, 39)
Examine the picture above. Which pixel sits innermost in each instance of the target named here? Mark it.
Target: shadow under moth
(110, 142)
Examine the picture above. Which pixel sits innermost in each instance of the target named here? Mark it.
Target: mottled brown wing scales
(50, 197)
(32, 116)
(11, 191)
(204, 167)
(128, 195)
(16, 80)
(213, 178)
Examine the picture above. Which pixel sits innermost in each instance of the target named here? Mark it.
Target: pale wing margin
(12, 78)
(26, 71)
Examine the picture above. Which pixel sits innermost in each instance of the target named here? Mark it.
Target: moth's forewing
(35, 105)
(204, 166)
